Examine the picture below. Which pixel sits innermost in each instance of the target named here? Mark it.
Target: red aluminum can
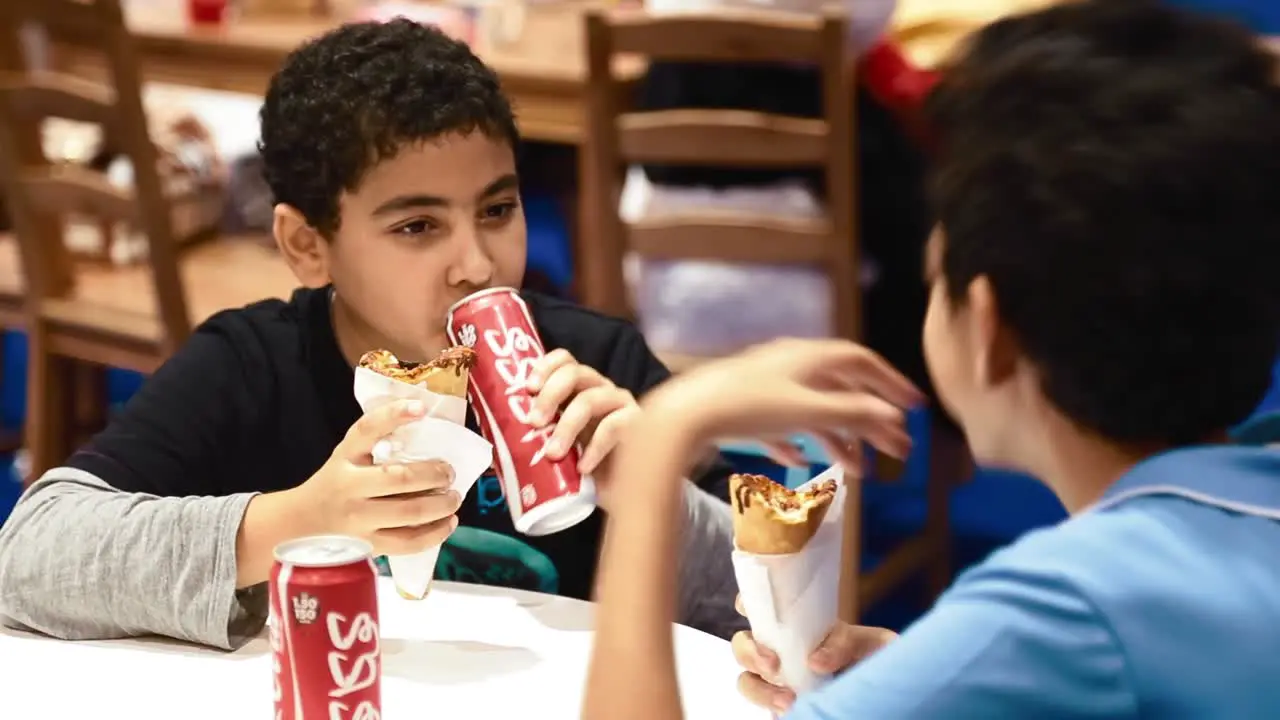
(544, 497)
(323, 627)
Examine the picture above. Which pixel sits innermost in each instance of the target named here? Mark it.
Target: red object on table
(544, 496)
(207, 12)
(326, 645)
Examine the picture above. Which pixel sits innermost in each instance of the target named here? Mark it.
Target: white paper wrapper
(442, 435)
(792, 601)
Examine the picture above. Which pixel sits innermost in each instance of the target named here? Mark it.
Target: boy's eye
(417, 227)
(499, 211)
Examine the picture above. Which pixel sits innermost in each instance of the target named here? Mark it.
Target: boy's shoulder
(1145, 560)
(270, 332)
(584, 332)
(271, 316)
(560, 315)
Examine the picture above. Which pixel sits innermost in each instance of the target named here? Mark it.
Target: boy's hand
(399, 508)
(593, 412)
(835, 390)
(845, 646)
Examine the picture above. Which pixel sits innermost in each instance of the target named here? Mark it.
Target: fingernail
(555, 448)
(534, 381)
(414, 407)
(447, 471)
(535, 417)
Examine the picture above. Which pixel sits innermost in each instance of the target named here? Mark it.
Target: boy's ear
(996, 347)
(302, 246)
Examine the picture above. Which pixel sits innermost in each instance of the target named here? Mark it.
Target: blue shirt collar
(1237, 478)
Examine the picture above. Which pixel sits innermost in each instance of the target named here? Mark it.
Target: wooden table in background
(543, 71)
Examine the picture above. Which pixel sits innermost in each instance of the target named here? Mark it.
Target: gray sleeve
(706, 586)
(81, 560)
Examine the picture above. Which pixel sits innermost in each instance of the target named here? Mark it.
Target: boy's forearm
(707, 587)
(632, 669)
(82, 560)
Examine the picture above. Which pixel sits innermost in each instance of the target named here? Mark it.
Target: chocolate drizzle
(459, 359)
(749, 489)
(742, 497)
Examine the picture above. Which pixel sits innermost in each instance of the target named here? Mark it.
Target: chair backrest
(41, 192)
(724, 138)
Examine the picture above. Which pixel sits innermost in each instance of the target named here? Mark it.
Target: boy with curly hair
(391, 152)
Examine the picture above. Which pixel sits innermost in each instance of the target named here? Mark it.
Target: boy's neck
(1079, 466)
(1079, 469)
(350, 340)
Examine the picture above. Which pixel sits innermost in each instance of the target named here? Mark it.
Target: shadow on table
(447, 662)
(557, 613)
(157, 645)
(561, 615)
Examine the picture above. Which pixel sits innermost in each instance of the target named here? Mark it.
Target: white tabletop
(466, 652)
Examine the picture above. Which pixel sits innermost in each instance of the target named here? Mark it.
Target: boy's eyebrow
(409, 202)
(503, 183)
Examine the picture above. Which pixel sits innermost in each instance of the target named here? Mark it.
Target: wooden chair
(727, 138)
(737, 139)
(100, 316)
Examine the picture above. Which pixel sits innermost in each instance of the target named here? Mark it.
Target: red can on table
(325, 645)
(543, 496)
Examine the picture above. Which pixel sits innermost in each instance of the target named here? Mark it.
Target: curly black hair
(354, 97)
(1113, 168)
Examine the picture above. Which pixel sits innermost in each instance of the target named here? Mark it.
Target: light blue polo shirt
(1162, 601)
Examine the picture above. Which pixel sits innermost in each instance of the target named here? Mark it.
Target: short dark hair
(355, 96)
(1113, 167)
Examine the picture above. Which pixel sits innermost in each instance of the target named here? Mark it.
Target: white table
(464, 652)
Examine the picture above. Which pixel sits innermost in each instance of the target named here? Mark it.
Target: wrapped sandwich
(441, 385)
(787, 563)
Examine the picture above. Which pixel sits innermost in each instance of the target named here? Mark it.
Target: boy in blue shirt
(1104, 307)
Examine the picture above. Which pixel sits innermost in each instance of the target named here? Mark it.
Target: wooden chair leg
(10, 438)
(88, 402)
(48, 380)
(949, 465)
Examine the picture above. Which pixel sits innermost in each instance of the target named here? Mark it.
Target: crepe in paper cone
(441, 386)
(787, 563)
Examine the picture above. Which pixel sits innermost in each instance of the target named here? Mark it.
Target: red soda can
(323, 628)
(544, 497)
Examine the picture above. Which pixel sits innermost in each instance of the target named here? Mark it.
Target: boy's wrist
(678, 420)
(269, 520)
